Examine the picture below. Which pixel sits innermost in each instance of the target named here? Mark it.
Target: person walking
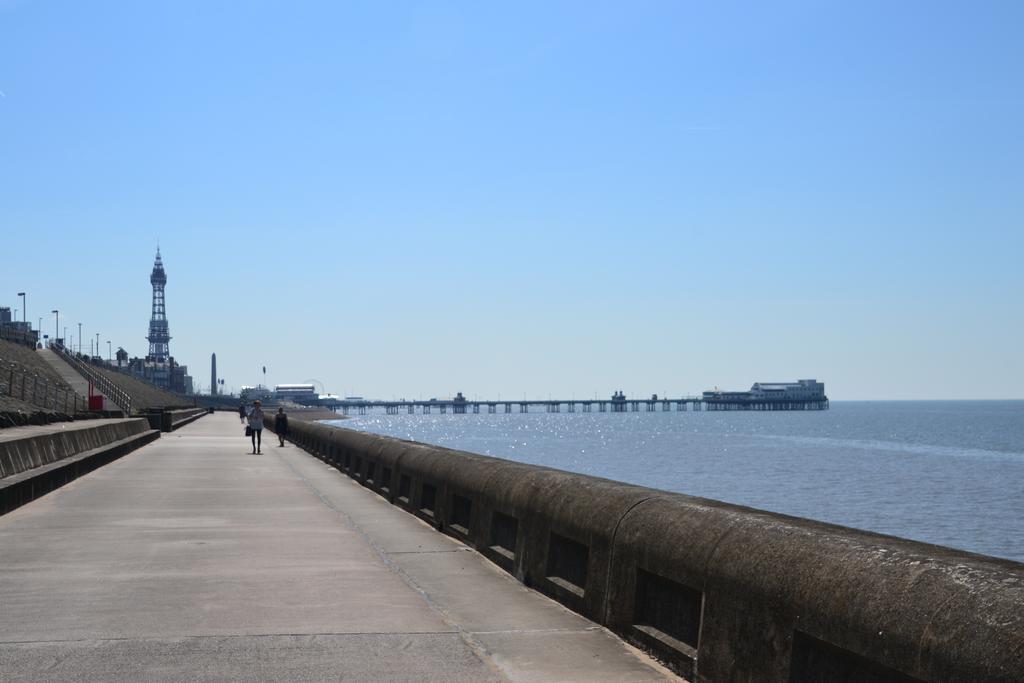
(241, 412)
(281, 425)
(256, 425)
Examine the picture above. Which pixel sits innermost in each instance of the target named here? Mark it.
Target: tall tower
(159, 335)
(213, 375)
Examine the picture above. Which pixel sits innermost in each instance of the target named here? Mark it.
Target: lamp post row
(56, 329)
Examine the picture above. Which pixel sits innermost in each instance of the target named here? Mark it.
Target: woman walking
(241, 412)
(256, 425)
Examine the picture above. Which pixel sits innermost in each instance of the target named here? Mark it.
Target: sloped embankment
(31, 391)
(145, 396)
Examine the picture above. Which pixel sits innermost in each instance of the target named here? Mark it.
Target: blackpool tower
(159, 335)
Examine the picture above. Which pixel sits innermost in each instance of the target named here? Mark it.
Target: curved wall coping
(720, 591)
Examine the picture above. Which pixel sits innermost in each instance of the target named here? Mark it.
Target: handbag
(248, 430)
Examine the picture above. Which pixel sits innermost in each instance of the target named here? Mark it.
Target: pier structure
(477, 406)
(748, 404)
(799, 395)
(617, 404)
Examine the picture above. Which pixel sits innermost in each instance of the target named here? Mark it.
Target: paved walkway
(191, 559)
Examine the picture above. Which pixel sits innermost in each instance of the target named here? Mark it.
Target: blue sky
(414, 199)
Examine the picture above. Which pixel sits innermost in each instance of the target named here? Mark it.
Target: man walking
(281, 425)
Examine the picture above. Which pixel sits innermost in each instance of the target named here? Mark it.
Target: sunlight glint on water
(950, 473)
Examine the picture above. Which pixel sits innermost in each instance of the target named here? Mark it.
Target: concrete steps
(74, 378)
(66, 372)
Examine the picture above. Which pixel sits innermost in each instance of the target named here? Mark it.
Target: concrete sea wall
(168, 420)
(35, 463)
(720, 592)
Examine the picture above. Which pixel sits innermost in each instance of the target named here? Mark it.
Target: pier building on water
(804, 394)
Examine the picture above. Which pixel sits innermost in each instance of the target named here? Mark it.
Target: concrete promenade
(190, 559)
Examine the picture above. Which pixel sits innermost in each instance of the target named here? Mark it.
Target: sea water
(945, 472)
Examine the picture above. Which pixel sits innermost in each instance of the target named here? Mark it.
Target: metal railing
(23, 383)
(106, 387)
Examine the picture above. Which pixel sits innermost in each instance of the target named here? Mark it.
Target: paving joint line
(424, 552)
(229, 636)
(587, 629)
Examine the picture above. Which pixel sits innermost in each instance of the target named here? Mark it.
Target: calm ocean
(946, 472)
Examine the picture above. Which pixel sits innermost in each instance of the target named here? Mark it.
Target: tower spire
(159, 334)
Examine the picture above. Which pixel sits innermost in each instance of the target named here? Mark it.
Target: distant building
(17, 330)
(804, 390)
(801, 390)
(304, 394)
(169, 375)
(252, 393)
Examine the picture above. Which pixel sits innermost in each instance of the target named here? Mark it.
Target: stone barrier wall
(718, 591)
(35, 464)
(167, 420)
(176, 419)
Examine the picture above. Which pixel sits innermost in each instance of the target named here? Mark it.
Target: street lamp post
(56, 325)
